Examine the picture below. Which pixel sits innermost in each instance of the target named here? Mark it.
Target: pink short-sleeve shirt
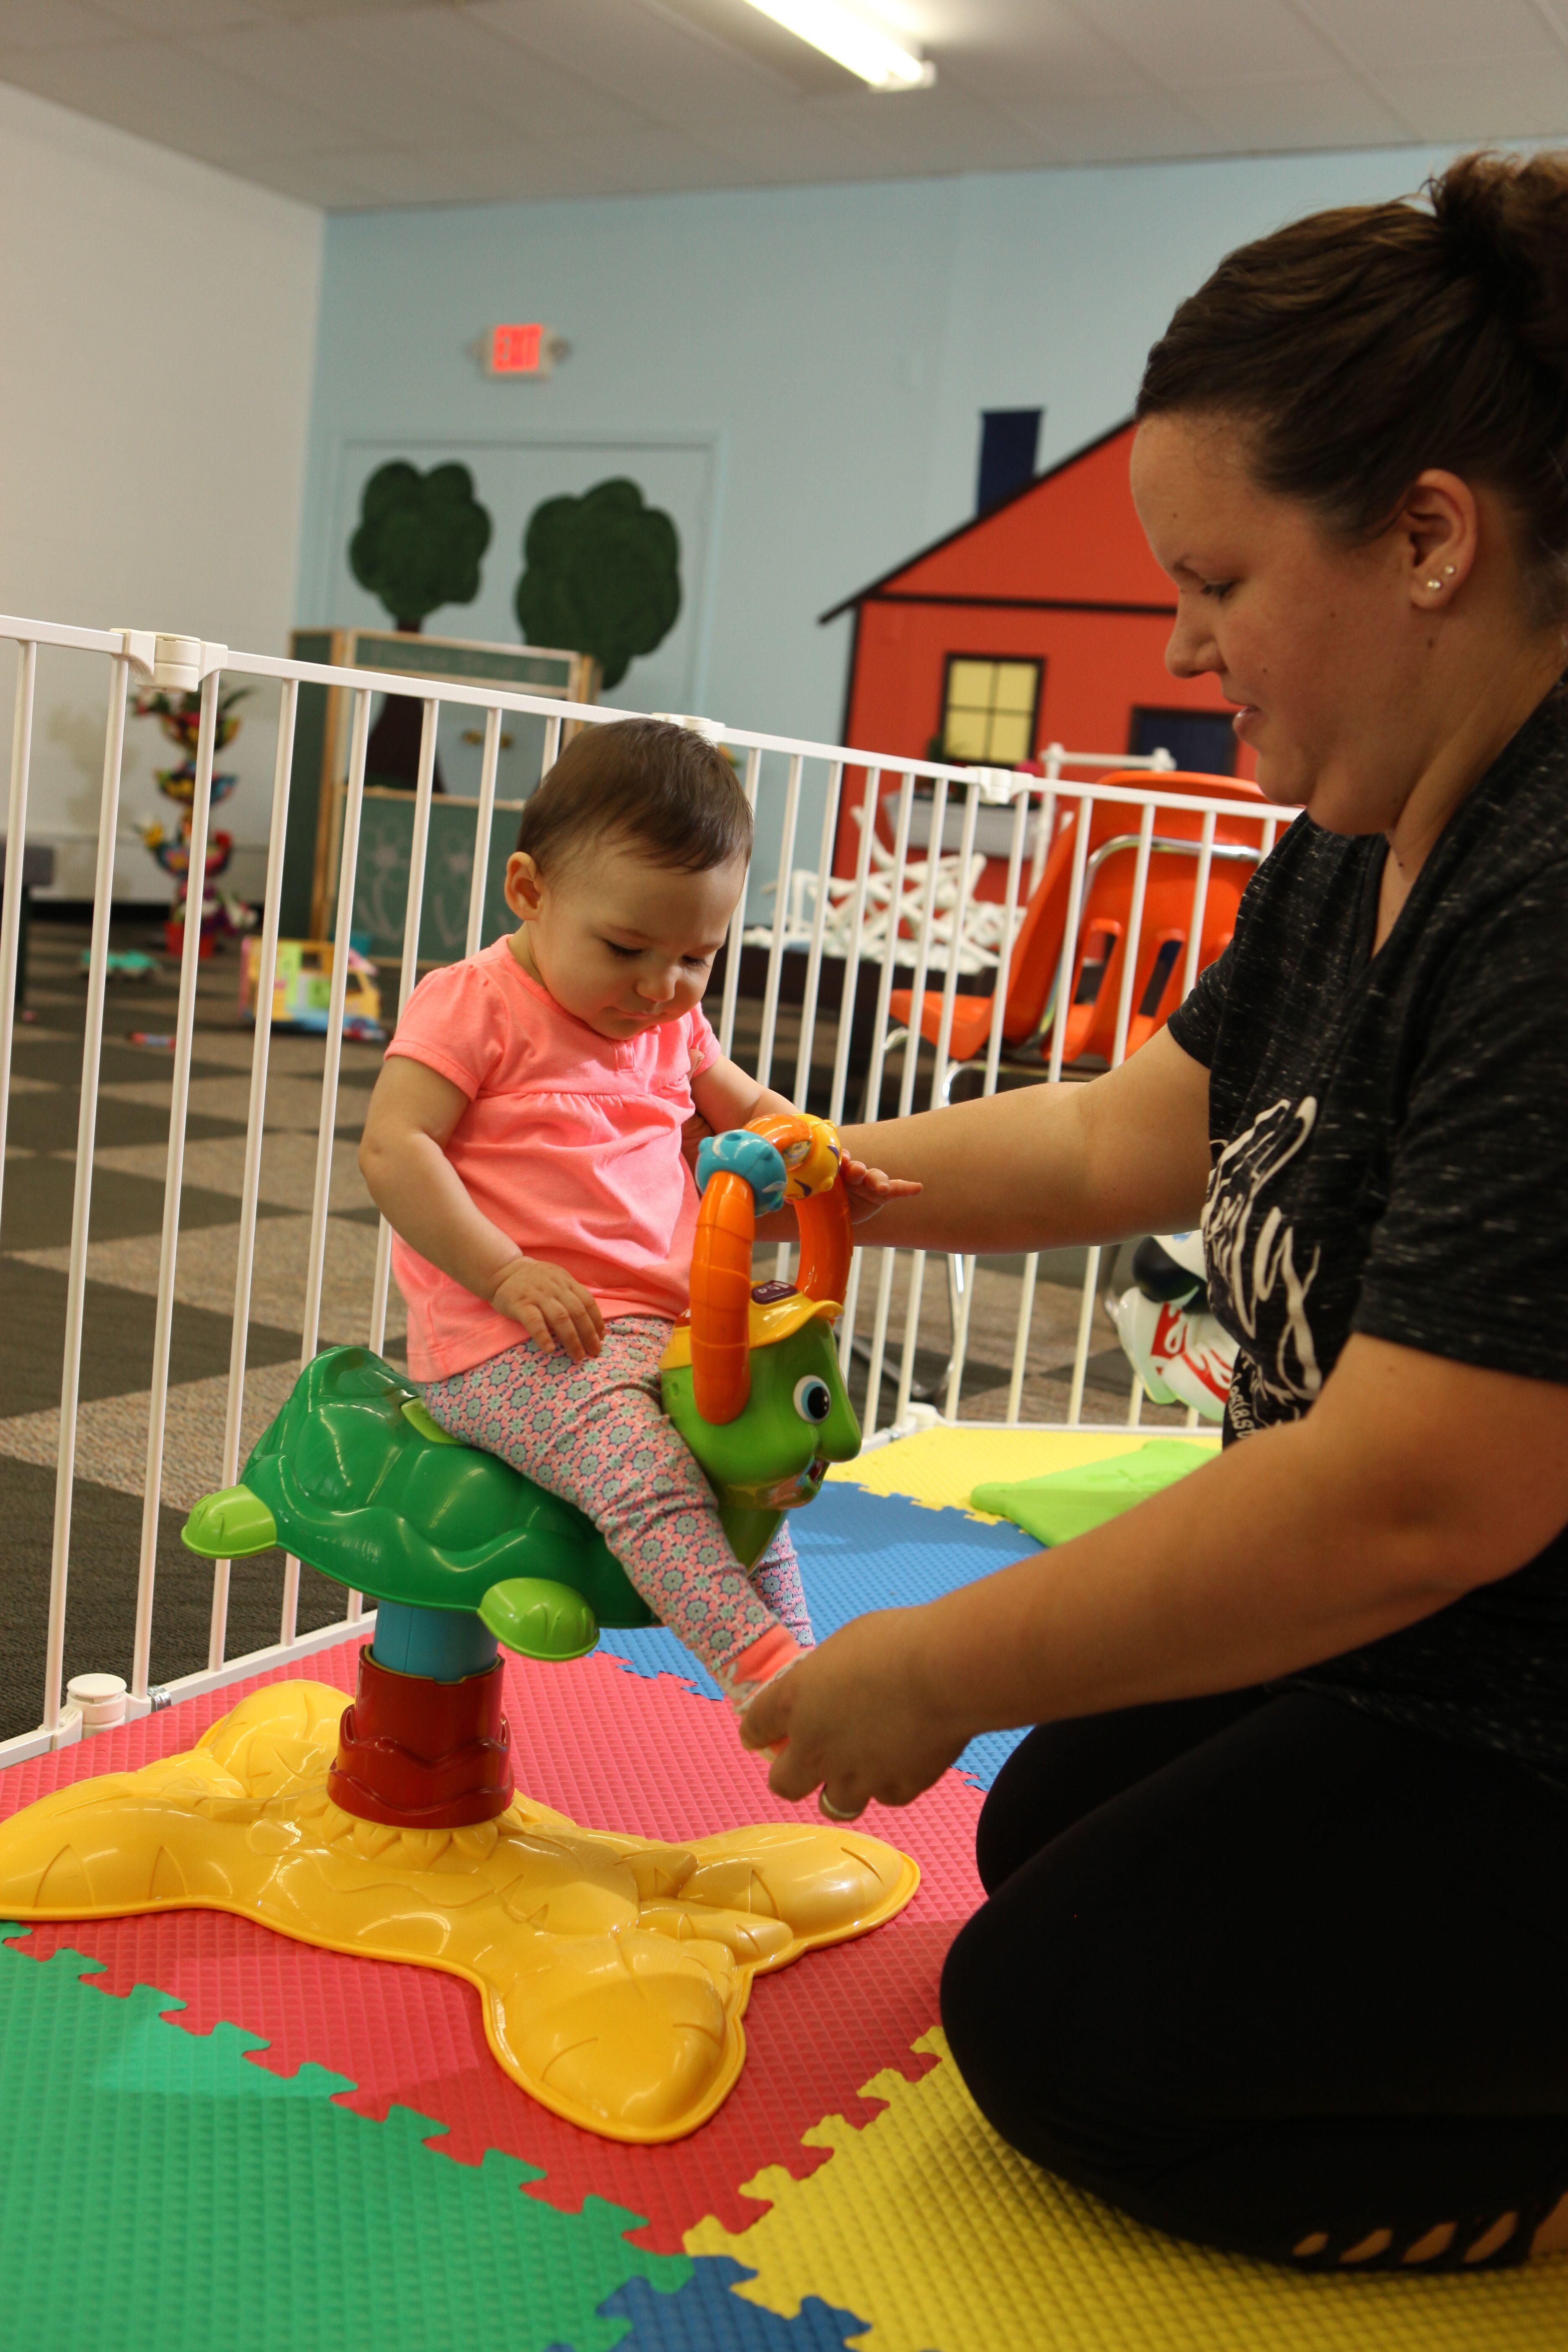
(571, 1143)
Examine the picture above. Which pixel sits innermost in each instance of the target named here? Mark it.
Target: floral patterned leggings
(596, 1433)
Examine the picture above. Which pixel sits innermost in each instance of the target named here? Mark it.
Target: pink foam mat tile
(613, 1751)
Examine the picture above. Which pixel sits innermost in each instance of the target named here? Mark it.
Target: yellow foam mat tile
(943, 2240)
(943, 1466)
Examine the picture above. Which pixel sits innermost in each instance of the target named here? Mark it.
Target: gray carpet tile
(36, 1209)
(117, 1354)
(100, 1613)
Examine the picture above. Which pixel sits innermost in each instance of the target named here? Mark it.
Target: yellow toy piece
(613, 1972)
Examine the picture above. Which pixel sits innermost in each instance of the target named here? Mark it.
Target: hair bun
(1505, 218)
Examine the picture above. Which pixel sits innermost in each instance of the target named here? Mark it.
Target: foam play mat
(218, 2136)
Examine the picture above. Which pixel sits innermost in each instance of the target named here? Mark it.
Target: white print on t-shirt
(1246, 1266)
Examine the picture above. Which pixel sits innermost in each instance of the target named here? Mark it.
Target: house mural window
(990, 705)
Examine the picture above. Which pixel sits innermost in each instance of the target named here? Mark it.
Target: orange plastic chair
(1092, 999)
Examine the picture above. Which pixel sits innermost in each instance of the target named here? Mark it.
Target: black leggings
(1276, 1975)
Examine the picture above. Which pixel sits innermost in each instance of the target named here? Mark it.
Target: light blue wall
(830, 347)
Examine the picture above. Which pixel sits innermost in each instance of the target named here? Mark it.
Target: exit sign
(521, 350)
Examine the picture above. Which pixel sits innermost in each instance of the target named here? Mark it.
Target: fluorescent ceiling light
(844, 34)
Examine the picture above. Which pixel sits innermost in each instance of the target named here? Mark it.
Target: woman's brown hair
(1361, 346)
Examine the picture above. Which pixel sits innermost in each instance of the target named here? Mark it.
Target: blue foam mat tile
(704, 2315)
(859, 1551)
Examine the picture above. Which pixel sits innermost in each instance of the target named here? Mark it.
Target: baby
(524, 1141)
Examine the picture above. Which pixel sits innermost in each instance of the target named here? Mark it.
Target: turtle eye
(812, 1400)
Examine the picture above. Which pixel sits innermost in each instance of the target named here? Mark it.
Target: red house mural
(1042, 621)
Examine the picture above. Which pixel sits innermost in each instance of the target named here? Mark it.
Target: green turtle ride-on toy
(613, 1971)
(460, 1552)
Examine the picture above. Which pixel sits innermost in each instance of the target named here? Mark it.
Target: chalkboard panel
(381, 878)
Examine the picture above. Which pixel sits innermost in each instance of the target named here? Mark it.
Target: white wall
(157, 337)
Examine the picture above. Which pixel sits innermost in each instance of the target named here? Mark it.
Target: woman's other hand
(870, 1189)
(553, 1308)
(861, 1716)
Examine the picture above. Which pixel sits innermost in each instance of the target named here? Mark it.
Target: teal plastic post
(446, 1644)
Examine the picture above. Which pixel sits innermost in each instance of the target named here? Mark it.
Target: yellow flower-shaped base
(614, 1973)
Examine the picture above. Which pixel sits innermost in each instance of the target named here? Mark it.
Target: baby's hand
(553, 1308)
(869, 1189)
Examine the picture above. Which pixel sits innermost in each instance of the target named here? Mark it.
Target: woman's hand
(552, 1306)
(862, 1717)
(870, 1189)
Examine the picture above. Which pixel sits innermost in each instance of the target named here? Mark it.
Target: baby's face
(619, 943)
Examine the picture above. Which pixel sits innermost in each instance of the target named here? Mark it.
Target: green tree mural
(601, 576)
(420, 540)
(419, 543)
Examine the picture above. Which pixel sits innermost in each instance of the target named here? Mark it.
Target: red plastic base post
(423, 1755)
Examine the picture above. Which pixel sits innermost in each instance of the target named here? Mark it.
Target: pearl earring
(1447, 570)
(1433, 583)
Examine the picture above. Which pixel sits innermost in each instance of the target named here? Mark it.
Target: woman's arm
(403, 1158)
(1411, 1480)
(1042, 1167)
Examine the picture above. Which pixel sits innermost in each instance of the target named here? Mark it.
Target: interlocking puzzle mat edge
(1021, 2259)
(941, 1466)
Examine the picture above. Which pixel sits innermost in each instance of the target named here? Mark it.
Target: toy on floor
(614, 1972)
(127, 963)
(180, 718)
(1181, 1352)
(302, 989)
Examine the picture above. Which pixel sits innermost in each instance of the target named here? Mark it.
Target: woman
(1275, 1946)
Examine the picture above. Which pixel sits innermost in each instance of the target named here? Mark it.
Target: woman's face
(1325, 647)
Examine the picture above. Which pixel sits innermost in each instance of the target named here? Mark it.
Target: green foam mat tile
(161, 2190)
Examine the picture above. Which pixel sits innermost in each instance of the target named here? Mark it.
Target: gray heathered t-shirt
(1390, 1145)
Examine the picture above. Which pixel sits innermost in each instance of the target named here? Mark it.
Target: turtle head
(751, 1380)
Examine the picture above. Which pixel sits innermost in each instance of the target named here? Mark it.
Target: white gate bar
(906, 1080)
(737, 923)
(1133, 945)
(353, 809)
(959, 1312)
(781, 916)
(873, 1110)
(254, 1126)
(82, 1191)
(1200, 905)
(483, 825)
(819, 919)
(15, 851)
(413, 913)
(174, 1179)
(850, 986)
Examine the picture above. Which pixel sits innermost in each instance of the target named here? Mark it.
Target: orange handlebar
(721, 1299)
(722, 1256)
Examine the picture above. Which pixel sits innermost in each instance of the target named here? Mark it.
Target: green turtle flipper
(538, 1618)
(229, 1524)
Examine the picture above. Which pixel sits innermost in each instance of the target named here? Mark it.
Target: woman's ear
(1438, 532)
(523, 888)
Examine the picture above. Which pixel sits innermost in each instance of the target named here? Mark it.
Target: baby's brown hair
(643, 784)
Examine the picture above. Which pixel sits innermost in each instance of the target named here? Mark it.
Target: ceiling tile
(179, 15)
(1212, 41)
(1046, 51)
(940, 129)
(1264, 117)
(527, 170)
(1138, 126)
(1396, 36)
(51, 24)
(160, 93)
(1483, 101)
(311, 179)
(456, 54)
(650, 62)
(361, 94)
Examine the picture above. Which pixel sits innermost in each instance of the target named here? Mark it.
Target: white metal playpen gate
(901, 908)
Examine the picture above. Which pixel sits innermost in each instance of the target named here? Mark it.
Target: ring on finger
(826, 1806)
